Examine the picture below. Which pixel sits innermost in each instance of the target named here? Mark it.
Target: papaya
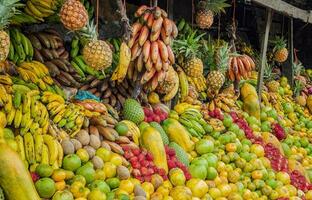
(246, 90)
(14, 177)
(152, 142)
(251, 106)
(177, 133)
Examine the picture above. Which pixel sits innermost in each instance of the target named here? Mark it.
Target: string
(97, 15)
(193, 11)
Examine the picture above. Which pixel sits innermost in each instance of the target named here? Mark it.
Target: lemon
(198, 187)
(96, 194)
(127, 186)
(109, 169)
(116, 159)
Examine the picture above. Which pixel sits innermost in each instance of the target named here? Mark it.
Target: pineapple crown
(88, 32)
(208, 52)
(216, 6)
(298, 87)
(298, 68)
(222, 56)
(279, 43)
(188, 46)
(8, 8)
(268, 74)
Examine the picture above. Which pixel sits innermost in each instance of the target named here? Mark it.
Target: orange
(257, 174)
(60, 185)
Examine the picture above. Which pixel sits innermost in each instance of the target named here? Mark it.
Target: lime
(103, 153)
(211, 173)
(110, 196)
(63, 195)
(87, 171)
(83, 155)
(113, 182)
(96, 194)
(101, 185)
(121, 128)
(71, 162)
(44, 170)
(123, 197)
(45, 187)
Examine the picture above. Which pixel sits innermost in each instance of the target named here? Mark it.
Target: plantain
(124, 61)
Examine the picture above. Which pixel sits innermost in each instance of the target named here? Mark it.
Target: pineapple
(96, 53)
(187, 51)
(170, 81)
(216, 76)
(8, 10)
(206, 11)
(280, 51)
(298, 68)
(74, 15)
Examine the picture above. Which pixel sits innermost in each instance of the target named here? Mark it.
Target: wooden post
(264, 51)
(287, 70)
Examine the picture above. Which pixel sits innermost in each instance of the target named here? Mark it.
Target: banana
(124, 61)
(134, 131)
(34, 127)
(26, 47)
(38, 147)
(49, 97)
(10, 116)
(58, 109)
(33, 9)
(26, 103)
(18, 117)
(60, 154)
(9, 105)
(45, 155)
(29, 148)
(6, 80)
(25, 119)
(25, 129)
(20, 146)
(184, 86)
(30, 67)
(52, 146)
(17, 99)
(172, 93)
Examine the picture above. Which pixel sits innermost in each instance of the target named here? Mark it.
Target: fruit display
(169, 113)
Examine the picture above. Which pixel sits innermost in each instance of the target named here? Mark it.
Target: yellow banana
(59, 116)
(28, 66)
(52, 146)
(40, 65)
(48, 80)
(48, 97)
(38, 147)
(184, 86)
(26, 103)
(60, 154)
(29, 148)
(45, 127)
(18, 118)
(58, 109)
(34, 10)
(124, 62)
(134, 131)
(34, 127)
(8, 106)
(42, 84)
(23, 73)
(20, 146)
(6, 79)
(212, 106)
(25, 119)
(45, 155)
(172, 93)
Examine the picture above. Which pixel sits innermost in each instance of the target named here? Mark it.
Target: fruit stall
(159, 108)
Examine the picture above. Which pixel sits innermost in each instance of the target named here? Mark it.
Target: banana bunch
(110, 92)
(224, 101)
(21, 48)
(134, 131)
(36, 73)
(36, 148)
(88, 6)
(193, 121)
(198, 82)
(23, 18)
(22, 107)
(39, 9)
(66, 116)
(83, 70)
(49, 49)
(184, 28)
(151, 53)
(216, 124)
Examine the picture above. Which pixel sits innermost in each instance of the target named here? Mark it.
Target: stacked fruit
(150, 46)
(111, 92)
(194, 122)
(49, 49)
(41, 9)
(89, 7)
(21, 48)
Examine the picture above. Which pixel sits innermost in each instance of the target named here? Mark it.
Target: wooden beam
(287, 9)
(289, 65)
(264, 51)
(170, 8)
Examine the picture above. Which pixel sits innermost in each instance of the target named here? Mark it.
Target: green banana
(25, 44)
(17, 99)
(20, 146)
(181, 24)
(78, 69)
(198, 128)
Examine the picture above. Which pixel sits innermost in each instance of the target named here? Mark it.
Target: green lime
(87, 171)
(44, 170)
(101, 185)
(113, 182)
(96, 194)
(71, 162)
(63, 195)
(45, 187)
(121, 128)
(123, 197)
(110, 196)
